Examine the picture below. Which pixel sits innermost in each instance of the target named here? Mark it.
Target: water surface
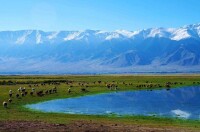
(180, 102)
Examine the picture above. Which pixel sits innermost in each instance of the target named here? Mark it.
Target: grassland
(93, 84)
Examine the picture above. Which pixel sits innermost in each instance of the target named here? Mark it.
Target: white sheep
(69, 90)
(20, 89)
(5, 104)
(10, 100)
(33, 89)
(10, 93)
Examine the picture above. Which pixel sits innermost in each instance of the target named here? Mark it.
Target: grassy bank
(92, 84)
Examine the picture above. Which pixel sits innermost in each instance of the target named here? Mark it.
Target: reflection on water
(181, 102)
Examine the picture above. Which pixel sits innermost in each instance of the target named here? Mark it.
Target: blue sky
(51, 15)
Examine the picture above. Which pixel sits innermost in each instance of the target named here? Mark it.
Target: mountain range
(96, 51)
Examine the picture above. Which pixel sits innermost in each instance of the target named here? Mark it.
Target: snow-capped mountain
(95, 51)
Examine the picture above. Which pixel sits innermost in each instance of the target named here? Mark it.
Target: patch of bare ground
(83, 126)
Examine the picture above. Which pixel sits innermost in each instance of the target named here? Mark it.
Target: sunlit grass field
(93, 85)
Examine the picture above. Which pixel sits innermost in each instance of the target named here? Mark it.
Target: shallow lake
(179, 102)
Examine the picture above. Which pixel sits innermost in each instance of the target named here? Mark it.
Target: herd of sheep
(21, 92)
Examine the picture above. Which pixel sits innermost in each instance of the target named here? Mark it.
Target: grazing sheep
(99, 81)
(40, 93)
(167, 85)
(20, 89)
(23, 89)
(50, 91)
(22, 94)
(9, 100)
(33, 89)
(5, 104)
(55, 90)
(17, 95)
(25, 93)
(10, 93)
(108, 86)
(69, 90)
(31, 93)
(47, 91)
(83, 90)
(116, 87)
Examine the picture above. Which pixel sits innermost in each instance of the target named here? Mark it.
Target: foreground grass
(16, 111)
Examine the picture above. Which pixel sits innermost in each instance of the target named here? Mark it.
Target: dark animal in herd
(40, 93)
(83, 90)
(50, 91)
(17, 95)
(9, 100)
(31, 93)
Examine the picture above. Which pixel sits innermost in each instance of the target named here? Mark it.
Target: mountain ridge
(171, 33)
(96, 51)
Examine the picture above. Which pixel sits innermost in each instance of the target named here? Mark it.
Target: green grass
(16, 111)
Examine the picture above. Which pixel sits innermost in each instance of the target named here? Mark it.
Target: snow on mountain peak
(100, 32)
(160, 32)
(125, 33)
(112, 36)
(192, 26)
(72, 36)
(38, 37)
(22, 39)
(180, 34)
(53, 35)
